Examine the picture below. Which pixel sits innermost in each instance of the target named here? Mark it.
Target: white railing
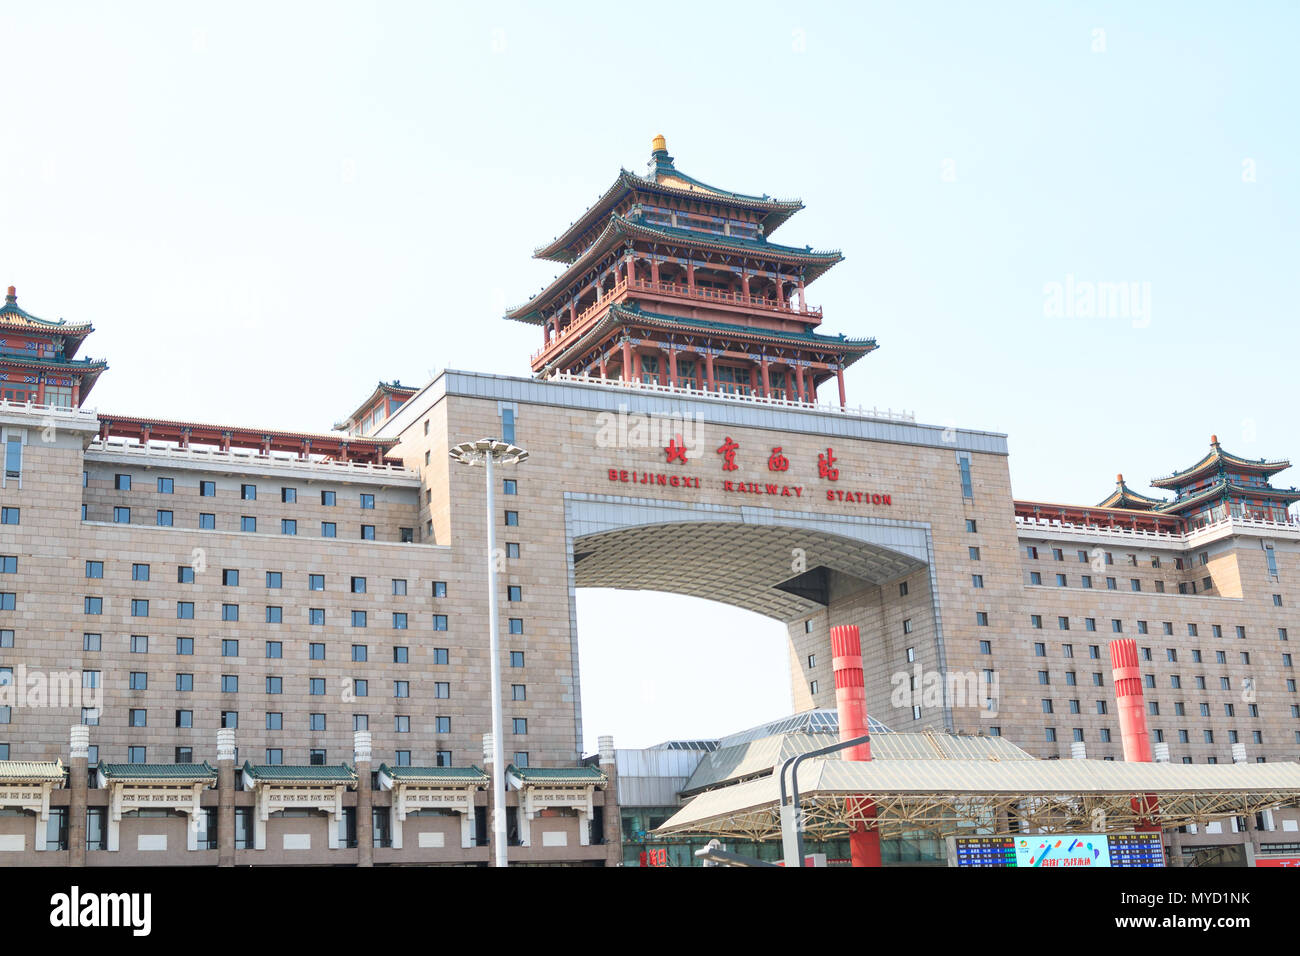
(887, 414)
(65, 411)
(247, 460)
(1052, 526)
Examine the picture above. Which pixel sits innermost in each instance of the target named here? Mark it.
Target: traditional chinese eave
(1228, 490)
(311, 775)
(435, 777)
(830, 343)
(158, 774)
(1125, 497)
(839, 350)
(383, 389)
(31, 771)
(1218, 461)
(85, 371)
(13, 318)
(812, 263)
(265, 440)
(667, 181)
(524, 777)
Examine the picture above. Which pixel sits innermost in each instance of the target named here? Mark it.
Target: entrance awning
(951, 797)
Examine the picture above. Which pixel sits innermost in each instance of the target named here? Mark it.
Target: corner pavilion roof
(1230, 489)
(12, 316)
(666, 180)
(383, 388)
(15, 319)
(1218, 460)
(1125, 497)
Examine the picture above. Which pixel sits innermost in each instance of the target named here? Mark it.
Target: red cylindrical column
(1129, 703)
(1131, 708)
(851, 703)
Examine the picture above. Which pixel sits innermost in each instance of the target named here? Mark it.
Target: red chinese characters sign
(675, 453)
(658, 857)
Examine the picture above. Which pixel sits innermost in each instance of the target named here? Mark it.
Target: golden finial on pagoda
(659, 144)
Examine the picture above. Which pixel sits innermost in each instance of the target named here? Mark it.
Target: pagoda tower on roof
(1220, 485)
(670, 282)
(38, 358)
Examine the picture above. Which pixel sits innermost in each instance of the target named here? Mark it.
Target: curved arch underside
(781, 572)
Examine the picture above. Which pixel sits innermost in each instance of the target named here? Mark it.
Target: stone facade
(826, 518)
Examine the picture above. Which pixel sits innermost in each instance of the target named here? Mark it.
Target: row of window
(274, 579)
(1105, 557)
(358, 687)
(139, 680)
(248, 492)
(230, 648)
(139, 717)
(274, 649)
(1158, 736)
(1149, 680)
(1143, 627)
(402, 758)
(274, 613)
(248, 524)
(1117, 626)
(1171, 653)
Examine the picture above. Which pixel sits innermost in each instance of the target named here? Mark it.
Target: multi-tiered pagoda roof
(672, 282)
(37, 357)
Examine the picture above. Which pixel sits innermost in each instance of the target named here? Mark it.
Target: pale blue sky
(264, 208)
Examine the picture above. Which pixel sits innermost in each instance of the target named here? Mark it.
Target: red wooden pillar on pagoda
(851, 703)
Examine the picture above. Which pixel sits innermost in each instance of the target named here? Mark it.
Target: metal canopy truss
(991, 796)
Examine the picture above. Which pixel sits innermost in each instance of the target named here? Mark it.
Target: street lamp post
(486, 452)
